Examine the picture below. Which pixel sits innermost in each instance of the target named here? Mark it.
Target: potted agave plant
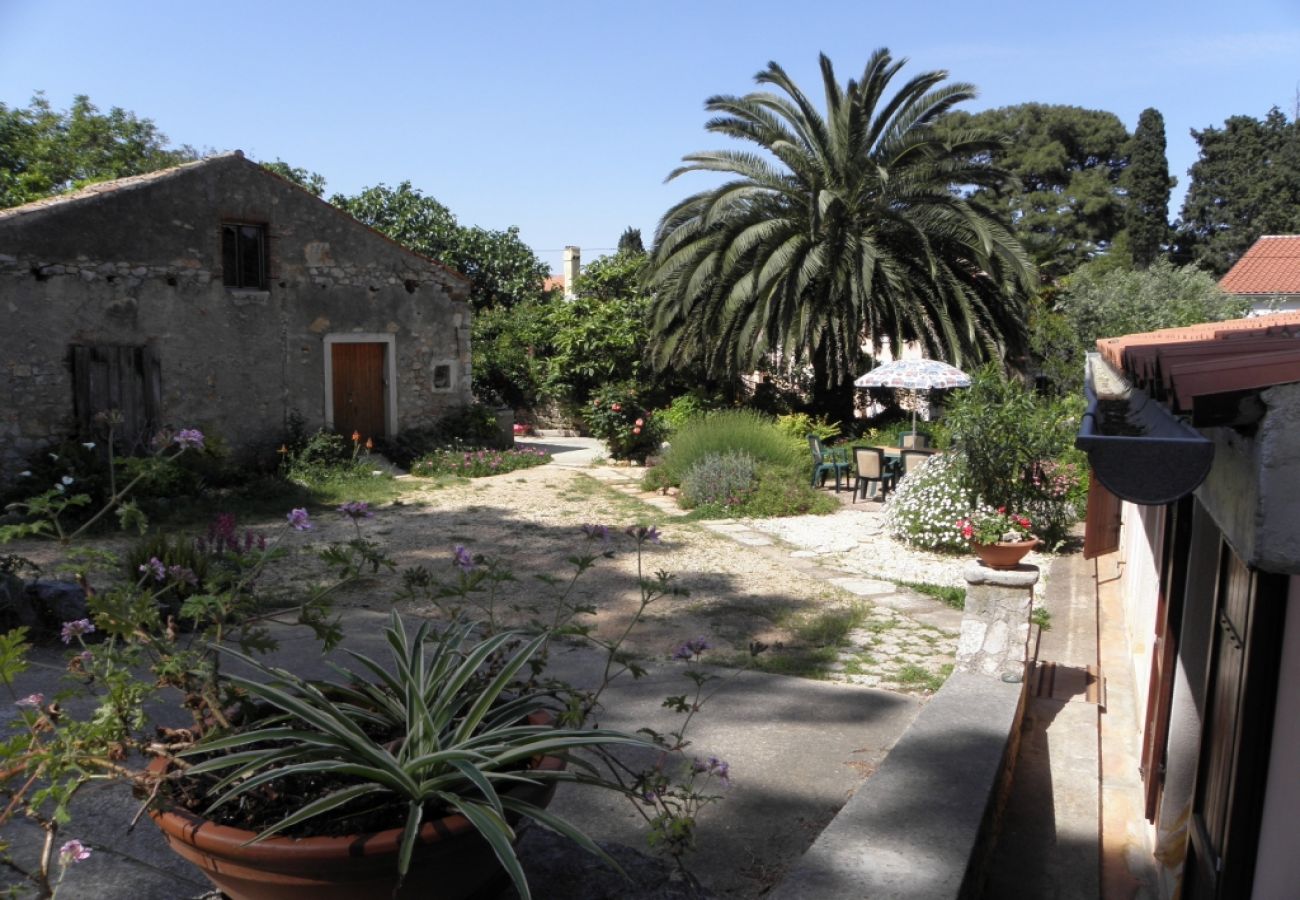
(417, 772)
(1000, 539)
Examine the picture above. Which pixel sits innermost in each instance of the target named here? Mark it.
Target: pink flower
(31, 701)
(73, 851)
(299, 520)
(640, 422)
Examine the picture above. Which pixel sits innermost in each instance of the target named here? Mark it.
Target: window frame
(235, 280)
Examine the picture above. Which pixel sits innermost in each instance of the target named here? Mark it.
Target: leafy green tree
(311, 182)
(501, 268)
(44, 151)
(1126, 302)
(1148, 184)
(1245, 183)
(1066, 203)
(846, 229)
(510, 347)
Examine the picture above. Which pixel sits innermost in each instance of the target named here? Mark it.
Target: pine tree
(1148, 184)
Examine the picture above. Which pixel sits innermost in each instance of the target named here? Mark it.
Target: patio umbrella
(914, 375)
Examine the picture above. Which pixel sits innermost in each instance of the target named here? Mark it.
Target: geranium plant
(989, 526)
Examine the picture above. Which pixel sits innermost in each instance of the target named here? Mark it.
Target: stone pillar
(995, 626)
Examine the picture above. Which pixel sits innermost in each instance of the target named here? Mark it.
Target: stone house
(1194, 438)
(220, 296)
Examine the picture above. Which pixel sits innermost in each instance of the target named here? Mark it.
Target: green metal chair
(827, 461)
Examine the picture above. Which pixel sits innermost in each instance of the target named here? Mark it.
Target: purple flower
(73, 851)
(596, 532)
(356, 509)
(155, 567)
(76, 629)
(299, 520)
(712, 766)
(189, 439)
(31, 701)
(463, 559)
(642, 533)
(693, 647)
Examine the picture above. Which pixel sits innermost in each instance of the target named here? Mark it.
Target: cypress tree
(1148, 183)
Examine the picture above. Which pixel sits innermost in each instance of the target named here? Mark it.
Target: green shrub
(726, 431)
(783, 492)
(1005, 431)
(723, 480)
(618, 418)
(799, 425)
(169, 550)
(478, 463)
(680, 411)
(924, 510)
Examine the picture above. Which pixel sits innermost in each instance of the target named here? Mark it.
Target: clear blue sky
(563, 119)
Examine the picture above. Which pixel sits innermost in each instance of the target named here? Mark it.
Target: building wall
(1277, 865)
(142, 265)
(1251, 499)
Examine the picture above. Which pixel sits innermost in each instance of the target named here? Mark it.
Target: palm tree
(851, 227)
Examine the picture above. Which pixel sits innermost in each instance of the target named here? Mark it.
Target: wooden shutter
(1101, 534)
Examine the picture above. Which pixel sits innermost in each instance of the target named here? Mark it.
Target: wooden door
(126, 380)
(1238, 726)
(359, 389)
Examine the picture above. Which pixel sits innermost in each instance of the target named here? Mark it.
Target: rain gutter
(1138, 449)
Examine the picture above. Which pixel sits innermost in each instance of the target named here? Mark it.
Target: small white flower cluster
(924, 510)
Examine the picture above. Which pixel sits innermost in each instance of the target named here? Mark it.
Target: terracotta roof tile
(1210, 358)
(1270, 266)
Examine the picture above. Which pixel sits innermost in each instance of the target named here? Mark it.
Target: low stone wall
(921, 826)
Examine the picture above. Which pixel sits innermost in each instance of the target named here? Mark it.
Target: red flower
(1003, 510)
(617, 408)
(1023, 522)
(640, 422)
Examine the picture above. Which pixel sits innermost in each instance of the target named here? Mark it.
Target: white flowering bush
(925, 508)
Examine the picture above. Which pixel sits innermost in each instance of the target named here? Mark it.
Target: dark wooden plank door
(126, 380)
(359, 389)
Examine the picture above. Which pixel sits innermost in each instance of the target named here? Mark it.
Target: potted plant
(422, 769)
(999, 538)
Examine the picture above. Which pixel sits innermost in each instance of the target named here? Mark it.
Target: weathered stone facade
(138, 263)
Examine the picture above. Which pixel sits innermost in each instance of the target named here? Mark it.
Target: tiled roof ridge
(112, 186)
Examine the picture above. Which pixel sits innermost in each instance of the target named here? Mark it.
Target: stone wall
(138, 262)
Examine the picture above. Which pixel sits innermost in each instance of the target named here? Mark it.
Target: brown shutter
(1101, 534)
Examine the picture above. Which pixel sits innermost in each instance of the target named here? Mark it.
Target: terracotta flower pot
(1004, 554)
(450, 861)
